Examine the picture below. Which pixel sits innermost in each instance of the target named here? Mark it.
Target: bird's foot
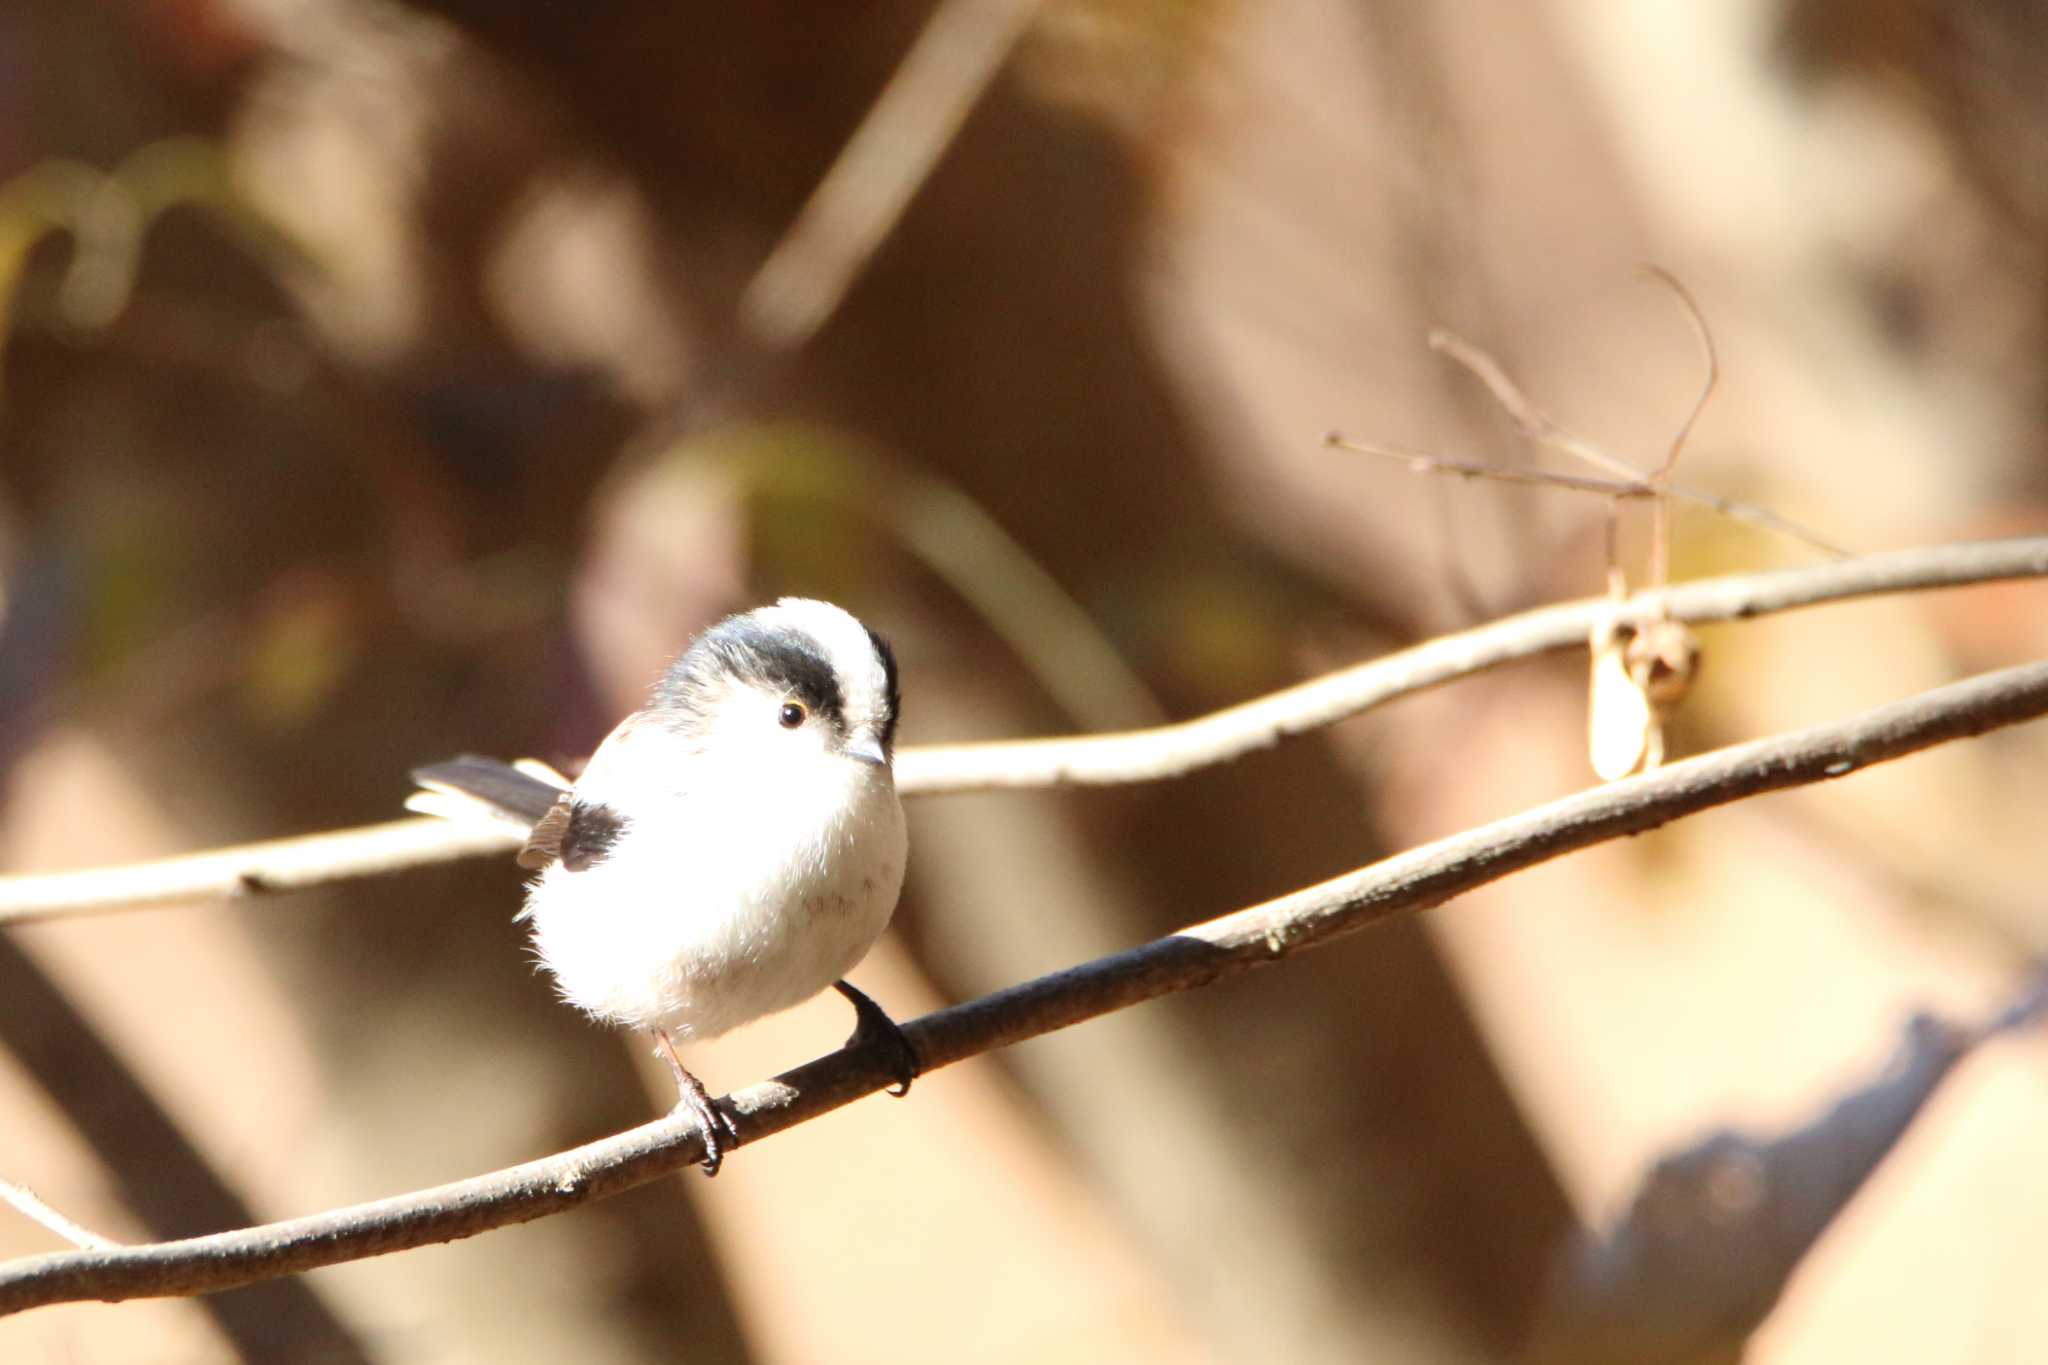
(875, 1031)
(718, 1132)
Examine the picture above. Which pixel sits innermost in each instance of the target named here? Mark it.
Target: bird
(731, 849)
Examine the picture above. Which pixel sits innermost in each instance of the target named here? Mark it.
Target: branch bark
(1200, 954)
(260, 869)
(1148, 755)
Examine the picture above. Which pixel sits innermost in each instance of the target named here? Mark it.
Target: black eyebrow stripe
(770, 656)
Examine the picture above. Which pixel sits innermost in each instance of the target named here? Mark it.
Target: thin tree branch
(251, 869)
(879, 170)
(1534, 423)
(1168, 751)
(1634, 489)
(1705, 337)
(1148, 755)
(26, 1202)
(1203, 953)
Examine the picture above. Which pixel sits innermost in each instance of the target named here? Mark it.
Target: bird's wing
(575, 832)
(581, 824)
(575, 826)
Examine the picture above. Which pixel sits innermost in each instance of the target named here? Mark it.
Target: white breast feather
(752, 890)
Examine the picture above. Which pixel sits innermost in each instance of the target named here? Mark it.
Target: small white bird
(731, 850)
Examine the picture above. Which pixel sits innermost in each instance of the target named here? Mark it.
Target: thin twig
(1636, 487)
(30, 1205)
(880, 168)
(1705, 337)
(1660, 508)
(1533, 422)
(1539, 426)
(1200, 954)
(1149, 755)
(1174, 750)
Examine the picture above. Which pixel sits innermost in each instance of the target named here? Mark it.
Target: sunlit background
(382, 381)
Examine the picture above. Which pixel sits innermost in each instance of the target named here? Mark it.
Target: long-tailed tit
(731, 849)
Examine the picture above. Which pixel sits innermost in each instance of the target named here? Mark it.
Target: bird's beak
(867, 749)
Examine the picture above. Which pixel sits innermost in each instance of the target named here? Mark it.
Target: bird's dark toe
(875, 1032)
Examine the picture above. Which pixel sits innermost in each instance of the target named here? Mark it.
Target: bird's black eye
(792, 715)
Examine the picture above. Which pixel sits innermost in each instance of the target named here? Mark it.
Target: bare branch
(1660, 510)
(1627, 482)
(1203, 953)
(1713, 358)
(1533, 422)
(1148, 755)
(1637, 488)
(1174, 750)
(27, 1203)
(879, 170)
(1424, 462)
(1539, 426)
(250, 869)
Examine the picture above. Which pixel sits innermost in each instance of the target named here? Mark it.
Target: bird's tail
(472, 788)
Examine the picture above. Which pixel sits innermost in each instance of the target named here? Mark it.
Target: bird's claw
(874, 1031)
(716, 1129)
(713, 1125)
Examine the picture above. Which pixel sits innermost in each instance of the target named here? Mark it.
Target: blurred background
(381, 381)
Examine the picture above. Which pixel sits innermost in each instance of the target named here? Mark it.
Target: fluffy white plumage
(757, 861)
(758, 871)
(732, 849)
